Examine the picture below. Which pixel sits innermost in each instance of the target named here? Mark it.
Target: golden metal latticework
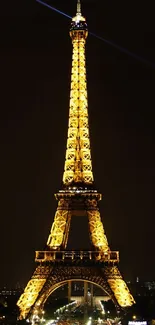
(60, 227)
(34, 286)
(119, 287)
(78, 197)
(78, 165)
(97, 233)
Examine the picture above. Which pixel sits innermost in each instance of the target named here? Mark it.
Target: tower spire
(78, 7)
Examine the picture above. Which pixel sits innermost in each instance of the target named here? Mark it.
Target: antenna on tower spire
(78, 7)
(78, 18)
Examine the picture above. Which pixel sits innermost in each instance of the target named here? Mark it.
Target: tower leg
(60, 228)
(118, 286)
(31, 292)
(96, 230)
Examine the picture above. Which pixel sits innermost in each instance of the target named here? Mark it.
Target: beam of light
(111, 43)
(50, 7)
(122, 49)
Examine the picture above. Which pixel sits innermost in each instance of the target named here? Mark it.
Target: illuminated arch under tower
(77, 197)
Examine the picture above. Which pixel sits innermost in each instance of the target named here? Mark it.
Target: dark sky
(35, 65)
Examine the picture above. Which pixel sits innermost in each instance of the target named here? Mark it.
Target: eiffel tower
(56, 265)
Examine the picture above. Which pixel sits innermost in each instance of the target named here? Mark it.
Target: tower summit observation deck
(56, 265)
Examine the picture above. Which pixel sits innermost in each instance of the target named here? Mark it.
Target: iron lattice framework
(78, 166)
(56, 265)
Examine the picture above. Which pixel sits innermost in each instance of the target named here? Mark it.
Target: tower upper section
(78, 165)
(78, 25)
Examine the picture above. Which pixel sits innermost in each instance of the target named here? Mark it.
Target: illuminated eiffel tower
(56, 265)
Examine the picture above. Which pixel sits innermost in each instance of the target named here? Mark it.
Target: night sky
(35, 66)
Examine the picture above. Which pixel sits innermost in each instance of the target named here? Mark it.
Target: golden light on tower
(78, 165)
(77, 197)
